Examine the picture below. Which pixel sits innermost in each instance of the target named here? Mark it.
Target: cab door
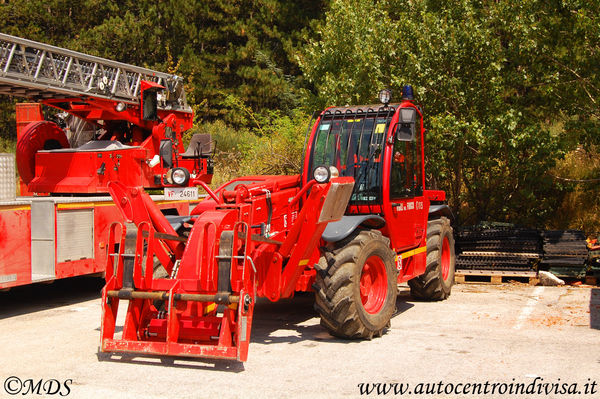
(406, 210)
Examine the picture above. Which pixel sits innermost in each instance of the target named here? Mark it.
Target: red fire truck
(105, 121)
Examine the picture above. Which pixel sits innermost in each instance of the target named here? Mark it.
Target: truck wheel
(356, 286)
(436, 283)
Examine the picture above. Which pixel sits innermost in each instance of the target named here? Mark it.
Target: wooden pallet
(494, 277)
(591, 280)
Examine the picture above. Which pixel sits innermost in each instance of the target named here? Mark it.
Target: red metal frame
(135, 159)
(270, 267)
(75, 171)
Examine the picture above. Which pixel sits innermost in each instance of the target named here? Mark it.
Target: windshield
(354, 144)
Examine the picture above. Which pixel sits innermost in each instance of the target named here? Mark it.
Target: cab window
(405, 178)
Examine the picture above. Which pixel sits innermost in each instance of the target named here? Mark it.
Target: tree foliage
(222, 47)
(494, 77)
(508, 88)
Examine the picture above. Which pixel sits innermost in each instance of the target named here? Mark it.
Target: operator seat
(201, 144)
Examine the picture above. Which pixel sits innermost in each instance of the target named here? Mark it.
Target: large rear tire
(436, 283)
(356, 286)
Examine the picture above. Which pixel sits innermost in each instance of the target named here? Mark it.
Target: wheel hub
(445, 259)
(373, 284)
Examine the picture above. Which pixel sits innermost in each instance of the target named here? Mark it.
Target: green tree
(490, 93)
(225, 49)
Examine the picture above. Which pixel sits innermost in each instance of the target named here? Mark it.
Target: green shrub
(273, 147)
(580, 207)
(8, 144)
(278, 149)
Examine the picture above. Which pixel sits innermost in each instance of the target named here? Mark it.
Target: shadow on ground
(595, 308)
(232, 366)
(294, 314)
(42, 296)
(290, 321)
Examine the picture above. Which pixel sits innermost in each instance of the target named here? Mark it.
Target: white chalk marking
(528, 308)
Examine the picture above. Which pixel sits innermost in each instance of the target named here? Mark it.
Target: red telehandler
(356, 222)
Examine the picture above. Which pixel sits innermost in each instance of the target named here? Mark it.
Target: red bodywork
(133, 119)
(208, 313)
(16, 239)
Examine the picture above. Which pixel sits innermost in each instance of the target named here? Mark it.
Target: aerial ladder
(136, 117)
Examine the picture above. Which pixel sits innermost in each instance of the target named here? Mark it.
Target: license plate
(181, 193)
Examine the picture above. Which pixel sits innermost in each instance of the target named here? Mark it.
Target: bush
(274, 146)
(580, 208)
(8, 144)
(278, 149)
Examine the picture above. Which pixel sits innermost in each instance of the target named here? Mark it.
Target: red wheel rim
(373, 284)
(445, 258)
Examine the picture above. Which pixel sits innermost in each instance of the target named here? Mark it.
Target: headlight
(120, 107)
(334, 172)
(179, 176)
(321, 174)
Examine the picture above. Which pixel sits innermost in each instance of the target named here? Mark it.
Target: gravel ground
(506, 334)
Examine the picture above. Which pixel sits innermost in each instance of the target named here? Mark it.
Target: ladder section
(39, 72)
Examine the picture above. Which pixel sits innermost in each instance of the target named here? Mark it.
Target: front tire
(356, 286)
(436, 283)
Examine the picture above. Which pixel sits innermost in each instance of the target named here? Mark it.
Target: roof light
(385, 96)
(407, 93)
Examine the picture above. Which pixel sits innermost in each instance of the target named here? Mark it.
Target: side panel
(15, 246)
(67, 240)
(43, 241)
(74, 234)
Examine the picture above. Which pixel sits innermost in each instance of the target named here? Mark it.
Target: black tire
(431, 285)
(337, 286)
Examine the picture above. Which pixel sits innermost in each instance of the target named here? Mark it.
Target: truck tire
(356, 286)
(436, 283)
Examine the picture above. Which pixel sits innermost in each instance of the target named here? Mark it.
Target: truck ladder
(39, 72)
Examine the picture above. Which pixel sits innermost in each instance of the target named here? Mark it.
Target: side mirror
(406, 126)
(166, 153)
(149, 100)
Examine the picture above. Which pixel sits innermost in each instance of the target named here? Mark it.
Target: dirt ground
(504, 334)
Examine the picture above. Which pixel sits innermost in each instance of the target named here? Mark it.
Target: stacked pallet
(565, 253)
(498, 249)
